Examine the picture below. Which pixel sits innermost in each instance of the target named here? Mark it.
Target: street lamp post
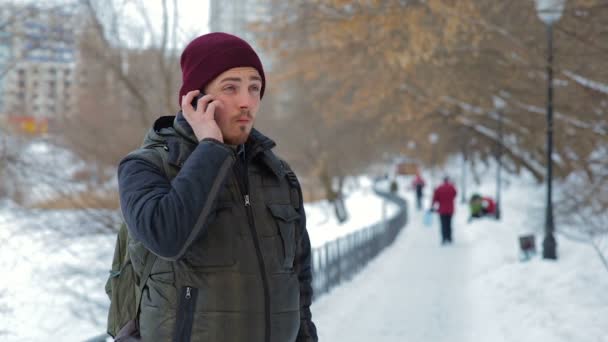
(433, 137)
(463, 177)
(549, 12)
(499, 104)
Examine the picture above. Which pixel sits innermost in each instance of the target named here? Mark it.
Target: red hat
(209, 55)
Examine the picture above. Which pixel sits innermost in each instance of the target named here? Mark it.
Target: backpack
(124, 287)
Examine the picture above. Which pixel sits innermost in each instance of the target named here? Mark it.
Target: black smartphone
(195, 101)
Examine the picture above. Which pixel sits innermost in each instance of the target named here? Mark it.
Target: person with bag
(443, 204)
(217, 237)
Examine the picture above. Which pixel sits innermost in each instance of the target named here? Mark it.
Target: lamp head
(550, 11)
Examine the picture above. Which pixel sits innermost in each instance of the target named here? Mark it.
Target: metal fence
(339, 260)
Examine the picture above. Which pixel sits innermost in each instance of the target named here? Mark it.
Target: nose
(244, 100)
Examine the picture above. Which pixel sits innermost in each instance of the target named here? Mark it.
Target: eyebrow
(238, 79)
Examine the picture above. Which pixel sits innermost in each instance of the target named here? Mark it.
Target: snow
(53, 281)
(416, 290)
(474, 290)
(364, 209)
(595, 85)
(38, 172)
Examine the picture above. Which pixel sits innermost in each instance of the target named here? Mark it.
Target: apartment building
(37, 61)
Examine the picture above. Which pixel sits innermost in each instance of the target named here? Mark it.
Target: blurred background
(353, 86)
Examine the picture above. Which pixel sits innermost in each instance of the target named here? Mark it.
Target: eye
(255, 88)
(229, 88)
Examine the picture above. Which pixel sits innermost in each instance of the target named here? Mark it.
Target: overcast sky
(193, 17)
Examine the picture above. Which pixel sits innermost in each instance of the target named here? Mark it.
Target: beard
(241, 132)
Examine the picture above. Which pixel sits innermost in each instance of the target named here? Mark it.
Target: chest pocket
(286, 217)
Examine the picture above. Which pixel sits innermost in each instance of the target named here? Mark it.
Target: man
(443, 203)
(418, 185)
(234, 257)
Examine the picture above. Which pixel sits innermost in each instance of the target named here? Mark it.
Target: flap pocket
(285, 212)
(286, 216)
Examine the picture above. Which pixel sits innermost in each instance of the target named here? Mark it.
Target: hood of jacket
(175, 134)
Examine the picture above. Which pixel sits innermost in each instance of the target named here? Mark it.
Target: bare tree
(128, 76)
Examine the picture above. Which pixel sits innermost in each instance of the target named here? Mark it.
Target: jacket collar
(183, 128)
(183, 143)
(256, 141)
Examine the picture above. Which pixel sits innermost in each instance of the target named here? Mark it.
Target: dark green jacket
(234, 254)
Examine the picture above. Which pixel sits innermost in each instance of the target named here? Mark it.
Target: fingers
(187, 100)
(209, 113)
(202, 103)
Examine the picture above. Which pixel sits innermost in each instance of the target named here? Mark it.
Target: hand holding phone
(202, 121)
(194, 102)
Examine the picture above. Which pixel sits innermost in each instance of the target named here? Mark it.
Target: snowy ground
(364, 209)
(52, 283)
(475, 290)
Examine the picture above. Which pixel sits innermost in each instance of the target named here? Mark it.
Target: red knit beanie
(209, 55)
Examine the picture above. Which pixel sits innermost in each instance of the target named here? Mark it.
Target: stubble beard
(243, 129)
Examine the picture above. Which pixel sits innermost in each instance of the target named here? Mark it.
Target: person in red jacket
(443, 203)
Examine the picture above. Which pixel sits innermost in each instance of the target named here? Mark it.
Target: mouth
(243, 120)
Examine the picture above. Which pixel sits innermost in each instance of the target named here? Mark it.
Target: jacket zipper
(185, 314)
(258, 250)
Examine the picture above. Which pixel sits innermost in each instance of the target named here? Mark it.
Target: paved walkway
(416, 290)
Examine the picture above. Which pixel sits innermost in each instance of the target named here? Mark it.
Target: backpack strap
(158, 155)
(149, 262)
(294, 185)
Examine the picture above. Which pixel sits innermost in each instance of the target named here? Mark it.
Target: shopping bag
(427, 219)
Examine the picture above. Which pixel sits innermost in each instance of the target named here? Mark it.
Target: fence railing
(339, 260)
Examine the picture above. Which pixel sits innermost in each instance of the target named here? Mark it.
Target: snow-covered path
(474, 290)
(419, 289)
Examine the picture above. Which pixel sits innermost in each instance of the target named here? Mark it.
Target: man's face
(238, 90)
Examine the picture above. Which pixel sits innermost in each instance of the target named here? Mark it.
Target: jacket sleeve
(434, 200)
(308, 331)
(167, 216)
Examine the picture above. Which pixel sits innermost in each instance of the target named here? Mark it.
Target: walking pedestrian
(418, 185)
(443, 204)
